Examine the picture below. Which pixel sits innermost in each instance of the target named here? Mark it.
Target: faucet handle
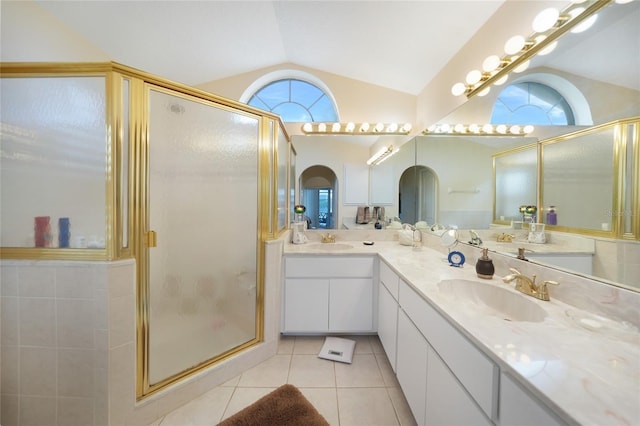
(543, 291)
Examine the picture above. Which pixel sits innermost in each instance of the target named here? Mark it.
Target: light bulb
(322, 127)
(364, 127)
(459, 128)
(307, 127)
(514, 45)
(547, 49)
(491, 63)
(485, 91)
(474, 128)
(501, 128)
(458, 89)
(473, 77)
(522, 67)
(585, 25)
(432, 127)
(335, 128)
(350, 127)
(393, 127)
(527, 129)
(445, 128)
(487, 128)
(501, 80)
(515, 129)
(379, 127)
(545, 20)
(406, 127)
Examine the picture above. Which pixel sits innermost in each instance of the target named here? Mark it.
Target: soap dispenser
(484, 266)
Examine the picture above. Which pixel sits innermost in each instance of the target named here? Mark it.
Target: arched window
(532, 103)
(295, 100)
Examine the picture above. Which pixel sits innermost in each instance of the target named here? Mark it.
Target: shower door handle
(151, 239)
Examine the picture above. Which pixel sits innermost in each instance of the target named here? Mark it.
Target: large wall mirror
(586, 174)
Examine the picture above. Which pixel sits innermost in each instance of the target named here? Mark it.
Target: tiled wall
(68, 347)
(54, 343)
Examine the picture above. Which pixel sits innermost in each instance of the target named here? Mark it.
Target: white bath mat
(337, 349)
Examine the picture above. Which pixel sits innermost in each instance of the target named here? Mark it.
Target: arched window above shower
(294, 95)
(541, 99)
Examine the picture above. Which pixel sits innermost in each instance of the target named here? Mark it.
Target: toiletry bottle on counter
(552, 216)
(484, 265)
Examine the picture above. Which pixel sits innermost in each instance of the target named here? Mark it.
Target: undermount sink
(493, 300)
(330, 246)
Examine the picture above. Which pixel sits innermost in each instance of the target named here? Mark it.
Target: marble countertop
(587, 375)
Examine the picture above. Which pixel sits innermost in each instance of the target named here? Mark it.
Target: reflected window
(295, 100)
(532, 103)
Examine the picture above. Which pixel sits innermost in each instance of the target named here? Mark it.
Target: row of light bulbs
(357, 128)
(478, 130)
(547, 26)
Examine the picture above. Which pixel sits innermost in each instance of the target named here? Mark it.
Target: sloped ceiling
(400, 45)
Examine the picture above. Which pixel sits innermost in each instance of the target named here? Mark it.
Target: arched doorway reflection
(318, 186)
(418, 195)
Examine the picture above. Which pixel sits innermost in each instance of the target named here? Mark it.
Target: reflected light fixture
(478, 130)
(381, 155)
(356, 129)
(548, 25)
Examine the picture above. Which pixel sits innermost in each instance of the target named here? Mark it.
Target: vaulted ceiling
(396, 44)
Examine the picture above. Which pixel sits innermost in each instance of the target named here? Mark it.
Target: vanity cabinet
(329, 294)
(444, 377)
(518, 407)
(412, 358)
(447, 400)
(388, 312)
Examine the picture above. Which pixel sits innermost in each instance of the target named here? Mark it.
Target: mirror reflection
(578, 173)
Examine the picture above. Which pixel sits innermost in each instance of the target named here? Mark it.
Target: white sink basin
(330, 246)
(493, 300)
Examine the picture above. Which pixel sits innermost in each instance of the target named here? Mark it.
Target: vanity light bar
(478, 130)
(356, 129)
(548, 26)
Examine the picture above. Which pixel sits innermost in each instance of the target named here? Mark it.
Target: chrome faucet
(528, 286)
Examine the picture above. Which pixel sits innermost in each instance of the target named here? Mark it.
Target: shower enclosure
(186, 183)
(203, 187)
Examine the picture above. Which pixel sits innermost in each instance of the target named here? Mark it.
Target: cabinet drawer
(389, 279)
(328, 267)
(475, 371)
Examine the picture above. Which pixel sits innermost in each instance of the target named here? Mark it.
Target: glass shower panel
(203, 191)
(54, 149)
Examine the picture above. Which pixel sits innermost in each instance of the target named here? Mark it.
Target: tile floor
(364, 392)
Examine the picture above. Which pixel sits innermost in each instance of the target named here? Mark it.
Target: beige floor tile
(311, 372)
(363, 344)
(362, 372)
(308, 345)
(202, 411)
(365, 406)
(403, 412)
(326, 402)
(270, 373)
(376, 345)
(243, 397)
(231, 383)
(285, 345)
(388, 375)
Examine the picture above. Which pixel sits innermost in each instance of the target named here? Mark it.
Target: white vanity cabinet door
(388, 323)
(518, 408)
(389, 279)
(306, 305)
(351, 304)
(447, 401)
(411, 372)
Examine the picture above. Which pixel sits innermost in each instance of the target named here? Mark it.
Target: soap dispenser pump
(484, 265)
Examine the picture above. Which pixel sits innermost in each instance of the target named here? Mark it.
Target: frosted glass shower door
(203, 185)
